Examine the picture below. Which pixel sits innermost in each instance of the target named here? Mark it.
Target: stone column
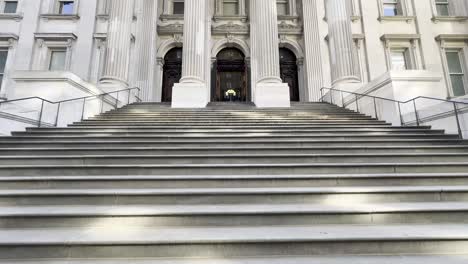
(192, 91)
(115, 75)
(269, 91)
(313, 52)
(343, 63)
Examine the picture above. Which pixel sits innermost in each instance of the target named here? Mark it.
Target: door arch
(289, 72)
(172, 72)
(231, 76)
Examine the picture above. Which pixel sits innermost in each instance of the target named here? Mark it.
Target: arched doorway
(289, 72)
(172, 72)
(231, 76)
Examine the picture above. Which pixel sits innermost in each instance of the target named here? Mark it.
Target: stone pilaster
(313, 53)
(343, 63)
(269, 91)
(115, 75)
(193, 90)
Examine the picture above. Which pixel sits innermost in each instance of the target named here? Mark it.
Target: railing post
(401, 116)
(138, 95)
(58, 113)
(83, 109)
(102, 103)
(128, 98)
(40, 114)
(117, 101)
(375, 109)
(342, 99)
(416, 113)
(460, 132)
(331, 97)
(357, 103)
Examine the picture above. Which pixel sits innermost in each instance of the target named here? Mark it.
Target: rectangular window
(3, 59)
(57, 60)
(442, 7)
(178, 8)
(399, 59)
(392, 8)
(283, 7)
(456, 72)
(66, 7)
(10, 7)
(231, 7)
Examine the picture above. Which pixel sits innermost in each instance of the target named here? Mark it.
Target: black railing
(113, 100)
(351, 100)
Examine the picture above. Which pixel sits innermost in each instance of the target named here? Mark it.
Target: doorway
(231, 76)
(172, 73)
(289, 73)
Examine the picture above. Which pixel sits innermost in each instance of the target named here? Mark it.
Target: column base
(189, 95)
(272, 95)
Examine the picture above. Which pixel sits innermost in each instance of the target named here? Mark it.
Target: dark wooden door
(231, 77)
(289, 72)
(172, 73)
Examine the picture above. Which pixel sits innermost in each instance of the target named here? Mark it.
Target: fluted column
(193, 90)
(115, 75)
(313, 53)
(269, 89)
(343, 63)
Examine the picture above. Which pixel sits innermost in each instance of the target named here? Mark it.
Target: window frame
(409, 42)
(3, 4)
(463, 63)
(398, 7)
(51, 51)
(406, 58)
(3, 74)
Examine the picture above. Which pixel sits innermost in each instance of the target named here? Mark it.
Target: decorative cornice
(47, 17)
(461, 19)
(16, 17)
(386, 37)
(55, 36)
(230, 28)
(460, 37)
(407, 19)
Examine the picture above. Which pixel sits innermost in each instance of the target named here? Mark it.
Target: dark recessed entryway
(289, 72)
(172, 72)
(230, 80)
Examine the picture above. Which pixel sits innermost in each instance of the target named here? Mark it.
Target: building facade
(268, 52)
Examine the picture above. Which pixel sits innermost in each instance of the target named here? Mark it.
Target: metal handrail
(358, 96)
(84, 99)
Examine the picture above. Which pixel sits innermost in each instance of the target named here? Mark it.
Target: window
(3, 59)
(10, 7)
(392, 8)
(442, 7)
(399, 59)
(283, 7)
(57, 59)
(178, 8)
(66, 7)
(456, 72)
(230, 7)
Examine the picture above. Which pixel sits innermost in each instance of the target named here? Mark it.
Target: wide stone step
(226, 138)
(222, 150)
(228, 124)
(225, 134)
(292, 159)
(235, 169)
(225, 242)
(334, 259)
(157, 216)
(194, 196)
(285, 142)
(231, 181)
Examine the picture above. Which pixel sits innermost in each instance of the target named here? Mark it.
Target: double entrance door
(231, 77)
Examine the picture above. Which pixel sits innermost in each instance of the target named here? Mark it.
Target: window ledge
(16, 16)
(436, 19)
(229, 18)
(407, 19)
(355, 18)
(103, 17)
(288, 17)
(166, 17)
(73, 17)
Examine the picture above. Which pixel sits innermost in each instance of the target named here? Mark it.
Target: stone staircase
(233, 184)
